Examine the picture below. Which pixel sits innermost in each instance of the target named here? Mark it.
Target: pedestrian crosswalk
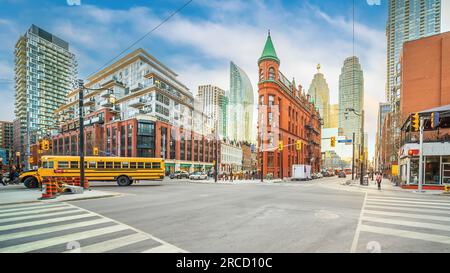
(384, 219)
(58, 227)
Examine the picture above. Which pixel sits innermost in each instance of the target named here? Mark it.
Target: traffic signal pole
(353, 157)
(420, 186)
(81, 136)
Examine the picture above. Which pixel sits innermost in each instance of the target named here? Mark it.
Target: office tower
(45, 71)
(351, 96)
(241, 104)
(320, 94)
(6, 140)
(334, 116)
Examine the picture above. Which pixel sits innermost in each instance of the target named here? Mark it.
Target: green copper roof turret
(269, 51)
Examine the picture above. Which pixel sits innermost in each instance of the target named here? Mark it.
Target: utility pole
(353, 157)
(81, 136)
(362, 149)
(217, 151)
(420, 186)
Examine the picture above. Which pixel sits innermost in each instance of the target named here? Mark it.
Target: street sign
(345, 141)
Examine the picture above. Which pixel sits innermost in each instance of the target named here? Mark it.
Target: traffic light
(45, 145)
(333, 142)
(415, 122)
(434, 120)
(280, 146)
(95, 151)
(298, 145)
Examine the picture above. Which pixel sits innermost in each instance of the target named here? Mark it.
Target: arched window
(261, 75)
(271, 74)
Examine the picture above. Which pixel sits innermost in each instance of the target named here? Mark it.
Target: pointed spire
(318, 68)
(269, 52)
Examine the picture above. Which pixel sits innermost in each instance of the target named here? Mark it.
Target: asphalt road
(238, 218)
(179, 216)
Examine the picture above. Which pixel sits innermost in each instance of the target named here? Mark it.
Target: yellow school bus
(123, 170)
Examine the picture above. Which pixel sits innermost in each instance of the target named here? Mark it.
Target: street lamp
(361, 152)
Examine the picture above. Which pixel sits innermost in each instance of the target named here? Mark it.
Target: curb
(57, 201)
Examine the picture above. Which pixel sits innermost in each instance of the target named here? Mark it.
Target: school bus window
(117, 165)
(100, 165)
(74, 164)
(109, 165)
(124, 165)
(132, 165)
(92, 164)
(140, 165)
(85, 164)
(148, 165)
(156, 165)
(47, 165)
(63, 164)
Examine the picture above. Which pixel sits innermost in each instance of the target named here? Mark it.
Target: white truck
(301, 172)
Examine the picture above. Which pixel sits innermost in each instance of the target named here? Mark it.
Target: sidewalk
(386, 185)
(19, 194)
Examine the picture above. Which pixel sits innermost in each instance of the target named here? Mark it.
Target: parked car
(198, 176)
(314, 176)
(319, 175)
(342, 175)
(179, 175)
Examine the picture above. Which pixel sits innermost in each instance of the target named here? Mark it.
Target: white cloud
(234, 30)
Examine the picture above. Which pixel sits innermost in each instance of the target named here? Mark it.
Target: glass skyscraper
(45, 72)
(240, 107)
(351, 95)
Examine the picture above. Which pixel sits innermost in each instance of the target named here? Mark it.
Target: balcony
(107, 93)
(137, 87)
(89, 102)
(106, 103)
(137, 102)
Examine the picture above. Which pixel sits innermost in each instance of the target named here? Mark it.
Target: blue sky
(199, 42)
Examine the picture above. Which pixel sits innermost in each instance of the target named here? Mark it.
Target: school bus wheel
(123, 180)
(31, 182)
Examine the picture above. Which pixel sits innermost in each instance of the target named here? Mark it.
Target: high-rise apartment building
(45, 71)
(241, 105)
(351, 95)
(408, 20)
(6, 139)
(137, 107)
(320, 94)
(210, 100)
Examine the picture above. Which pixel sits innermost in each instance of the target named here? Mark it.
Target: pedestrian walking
(379, 180)
(1, 178)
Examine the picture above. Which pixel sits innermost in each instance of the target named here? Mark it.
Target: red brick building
(142, 136)
(425, 74)
(284, 114)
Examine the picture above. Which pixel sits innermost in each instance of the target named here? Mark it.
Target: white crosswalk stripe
(424, 219)
(45, 227)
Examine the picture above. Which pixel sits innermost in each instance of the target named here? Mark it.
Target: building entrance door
(445, 173)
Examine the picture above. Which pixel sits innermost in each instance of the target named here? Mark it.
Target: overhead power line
(144, 36)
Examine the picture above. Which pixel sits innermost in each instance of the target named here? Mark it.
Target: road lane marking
(135, 229)
(358, 227)
(409, 199)
(45, 230)
(31, 246)
(46, 221)
(167, 248)
(12, 219)
(406, 205)
(2, 211)
(410, 202)
(409, 215)
(407, 209)
(36, 211)
(111, 244)
(407, 234)
(406, 223)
